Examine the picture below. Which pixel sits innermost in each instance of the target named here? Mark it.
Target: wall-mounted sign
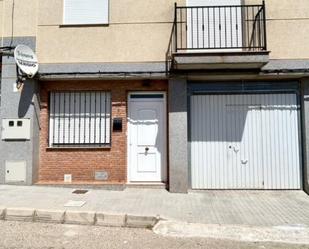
(26, 60)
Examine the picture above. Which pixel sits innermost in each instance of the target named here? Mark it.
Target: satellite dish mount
(27, 64)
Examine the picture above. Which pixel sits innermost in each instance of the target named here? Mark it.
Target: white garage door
(245, 141)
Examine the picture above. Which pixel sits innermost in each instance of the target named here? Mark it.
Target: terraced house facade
(192, 94)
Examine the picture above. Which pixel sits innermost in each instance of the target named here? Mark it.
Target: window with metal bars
(80, 119)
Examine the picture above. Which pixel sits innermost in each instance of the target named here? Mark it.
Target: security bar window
(81, 12)
(80, 119)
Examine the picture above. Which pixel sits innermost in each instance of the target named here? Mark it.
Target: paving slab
(252, 208)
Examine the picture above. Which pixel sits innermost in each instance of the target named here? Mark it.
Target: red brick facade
(80, 162)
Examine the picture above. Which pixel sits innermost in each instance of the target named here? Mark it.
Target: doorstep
(103, 185)
(151, 185)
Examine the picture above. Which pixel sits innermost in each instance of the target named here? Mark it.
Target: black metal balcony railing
(217, 29)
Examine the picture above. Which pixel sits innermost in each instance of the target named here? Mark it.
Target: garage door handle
(146, 149)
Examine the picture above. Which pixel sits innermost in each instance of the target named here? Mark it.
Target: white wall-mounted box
(67, 178)
(15, 171)
(16, 129)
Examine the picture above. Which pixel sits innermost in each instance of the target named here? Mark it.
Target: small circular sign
(26, 60)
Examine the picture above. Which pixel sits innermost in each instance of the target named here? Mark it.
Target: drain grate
(80, 191)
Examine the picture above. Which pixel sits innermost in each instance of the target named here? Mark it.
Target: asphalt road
(17, 235)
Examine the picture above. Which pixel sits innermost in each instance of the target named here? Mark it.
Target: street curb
(110, 220)
(19, 214)
(77, 217)
(2, 213)
(141, 221)
(49, 216)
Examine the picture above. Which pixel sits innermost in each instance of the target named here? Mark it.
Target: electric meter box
(15, 171)
(16, 129)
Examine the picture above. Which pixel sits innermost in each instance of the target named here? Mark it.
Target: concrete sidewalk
(251, 208)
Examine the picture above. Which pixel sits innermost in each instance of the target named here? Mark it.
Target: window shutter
(86, 11)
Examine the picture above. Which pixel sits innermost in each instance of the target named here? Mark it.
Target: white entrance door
(146, 137)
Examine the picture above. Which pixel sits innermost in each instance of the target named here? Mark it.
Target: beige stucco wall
(287, 28)
(139, 30)
(116, 43)
(284, 9)
(25, 17)
(1, 21)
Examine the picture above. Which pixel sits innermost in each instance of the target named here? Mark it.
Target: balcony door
(214, 25)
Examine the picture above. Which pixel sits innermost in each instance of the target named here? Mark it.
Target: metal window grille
(80, 119)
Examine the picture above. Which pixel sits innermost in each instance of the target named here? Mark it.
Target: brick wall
(80, 162)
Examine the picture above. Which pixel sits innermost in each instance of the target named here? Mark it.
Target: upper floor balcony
(218, 37)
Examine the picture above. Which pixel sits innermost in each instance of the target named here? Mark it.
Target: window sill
(78, 148)
(83, 25)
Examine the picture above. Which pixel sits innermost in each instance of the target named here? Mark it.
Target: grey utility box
(15, 171)
(16, 129)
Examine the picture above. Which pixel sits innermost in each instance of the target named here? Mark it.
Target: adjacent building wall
(22, 103)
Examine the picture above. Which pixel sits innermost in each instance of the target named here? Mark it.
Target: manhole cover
(80, 191)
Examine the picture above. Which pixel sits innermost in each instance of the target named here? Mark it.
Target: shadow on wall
(230, 118)
(28, 95)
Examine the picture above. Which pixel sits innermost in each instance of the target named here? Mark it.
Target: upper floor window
(86, 12)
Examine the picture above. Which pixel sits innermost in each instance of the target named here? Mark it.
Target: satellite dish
(26, 60)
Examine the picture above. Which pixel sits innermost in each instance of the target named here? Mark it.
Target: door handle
(146, 149)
